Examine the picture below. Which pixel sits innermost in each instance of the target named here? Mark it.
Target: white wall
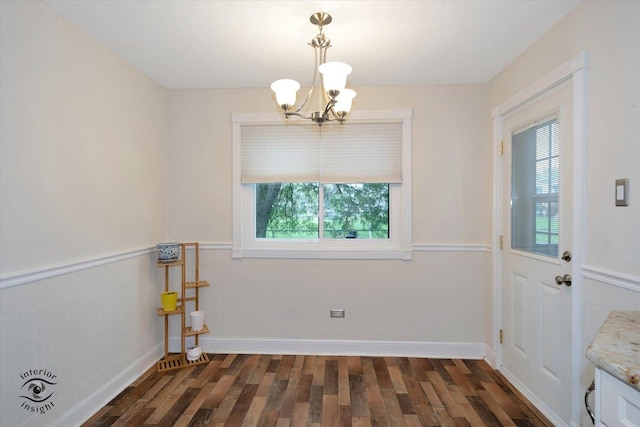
(609, 32)
(83, 159)
(83, 200)
(437, 297)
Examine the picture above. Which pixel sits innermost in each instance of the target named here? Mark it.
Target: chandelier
(334, 78)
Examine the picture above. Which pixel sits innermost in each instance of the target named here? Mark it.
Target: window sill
(324, 253)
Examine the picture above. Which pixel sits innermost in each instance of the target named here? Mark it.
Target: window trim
(398, 246)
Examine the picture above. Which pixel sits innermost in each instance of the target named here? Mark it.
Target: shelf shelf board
(203, 359)
(169, 264)
(176, 361)
(161, 312)
(188, 332)
(198, 284)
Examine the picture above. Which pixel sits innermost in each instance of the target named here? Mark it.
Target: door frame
(575, 69)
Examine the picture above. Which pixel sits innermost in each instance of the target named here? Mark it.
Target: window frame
(398, 246)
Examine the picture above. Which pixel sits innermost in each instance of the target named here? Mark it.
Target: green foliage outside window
(291, 211)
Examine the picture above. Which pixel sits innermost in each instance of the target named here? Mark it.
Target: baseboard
(491, 357)
(535, 401)
(440, 350)
(93, 403)
(575, 423)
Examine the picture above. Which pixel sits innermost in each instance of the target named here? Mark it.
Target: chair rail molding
(611, 277)
(47, 272)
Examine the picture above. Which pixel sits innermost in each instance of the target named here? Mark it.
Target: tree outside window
(348, 211)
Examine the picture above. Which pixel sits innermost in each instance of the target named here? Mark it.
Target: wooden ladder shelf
(172, 361)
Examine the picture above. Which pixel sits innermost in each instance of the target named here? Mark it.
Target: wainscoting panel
(92, 325)
(604, 291)
(88, 331)
(438, 297)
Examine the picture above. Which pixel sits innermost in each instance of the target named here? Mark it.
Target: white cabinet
(617, 404)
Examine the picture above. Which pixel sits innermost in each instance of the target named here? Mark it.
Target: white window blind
(350, 153)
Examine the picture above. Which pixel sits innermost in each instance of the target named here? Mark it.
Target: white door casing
(548, 366)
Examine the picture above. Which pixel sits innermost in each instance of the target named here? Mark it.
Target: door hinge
(501, 336)
(501, 148)
(501, 243)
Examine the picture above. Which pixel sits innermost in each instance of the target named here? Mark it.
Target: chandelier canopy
(333, 81)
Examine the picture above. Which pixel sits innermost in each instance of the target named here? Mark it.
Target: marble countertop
(616, 347)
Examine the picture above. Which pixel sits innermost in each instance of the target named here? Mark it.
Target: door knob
(566, 256)
(564, 280)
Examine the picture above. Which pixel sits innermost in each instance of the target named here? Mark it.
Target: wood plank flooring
(271, 390)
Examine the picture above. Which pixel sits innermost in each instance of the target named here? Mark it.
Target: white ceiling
(232, 44)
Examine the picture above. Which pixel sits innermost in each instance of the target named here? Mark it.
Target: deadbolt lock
(566, 256)
(563, 280)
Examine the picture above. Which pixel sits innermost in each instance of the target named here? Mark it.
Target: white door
(536, 230)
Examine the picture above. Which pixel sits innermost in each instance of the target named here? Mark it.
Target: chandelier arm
(318, 117)
(337, 117)
(317, 56)
(325, 94)
(329, 108)
(296, 113)
(329, 119)
(305, 101)
(333, 112)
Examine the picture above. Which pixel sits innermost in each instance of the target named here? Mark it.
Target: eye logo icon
(37, 389)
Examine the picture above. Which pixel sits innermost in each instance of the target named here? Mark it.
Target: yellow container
(169, 300)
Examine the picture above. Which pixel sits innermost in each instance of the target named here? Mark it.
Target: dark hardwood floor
(269, 390)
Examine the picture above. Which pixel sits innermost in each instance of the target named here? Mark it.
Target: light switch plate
(622, 192)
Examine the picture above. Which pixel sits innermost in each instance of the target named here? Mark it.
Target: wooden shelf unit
(188, 332)
(162, 312)
(179, 360)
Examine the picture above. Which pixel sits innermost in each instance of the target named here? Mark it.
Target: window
(348, 211)
(335, 191)
(535, 186)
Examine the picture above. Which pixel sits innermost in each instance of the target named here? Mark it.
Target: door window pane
(535, 185)
(547, 228)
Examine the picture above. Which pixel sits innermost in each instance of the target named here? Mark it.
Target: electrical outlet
(336, 312)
